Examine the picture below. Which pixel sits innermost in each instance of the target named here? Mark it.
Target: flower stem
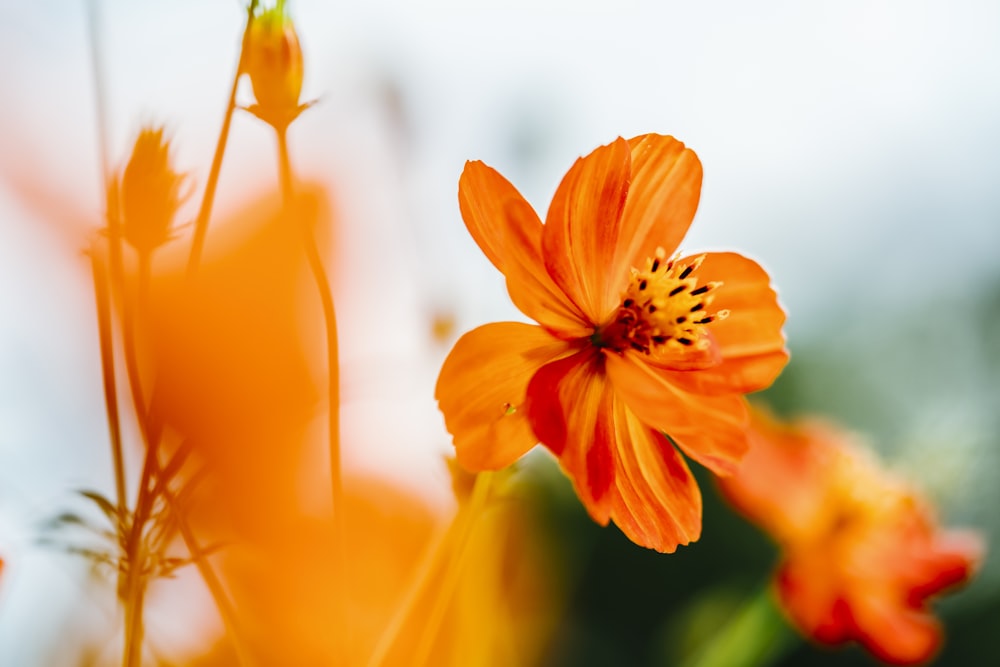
(134, 549)
(445, 556)
(205, 211)
(108, 371)
(453, 571)
(151, 474)
(135, 584)
(755, 636)
(332, 356)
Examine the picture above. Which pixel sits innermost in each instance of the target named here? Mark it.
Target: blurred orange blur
(862, 552)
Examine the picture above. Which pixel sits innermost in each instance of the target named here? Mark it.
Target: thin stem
(100, 272)
(151, 472)
(205, 211)
(446, 556)
(452, 572)
(429, 564)
(93, 32)
(108, 372)
(332, 355)
(226, 609)
(135, 584)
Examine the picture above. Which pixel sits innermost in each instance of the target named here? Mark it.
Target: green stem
(755, 636)
(208, 199)
(332, 355)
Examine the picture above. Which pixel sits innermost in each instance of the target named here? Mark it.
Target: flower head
(861, 551)
(273, 60)
(149, 192)
(638, 350)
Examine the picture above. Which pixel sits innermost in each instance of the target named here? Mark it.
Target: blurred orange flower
(502, 609)
(861, 551)
(626, 362)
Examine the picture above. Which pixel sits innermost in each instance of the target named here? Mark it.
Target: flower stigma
(663, 309)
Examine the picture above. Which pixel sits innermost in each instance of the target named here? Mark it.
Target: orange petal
(582, 229)
(481, 391)
(509, 233)
(750, 340)
(794, 460)
(569, 406)
(809, 591)
(656, 503)
(662, 199)
(710, 429)
(893, 633)
(951, 558)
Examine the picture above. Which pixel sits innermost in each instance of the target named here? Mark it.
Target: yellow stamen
(663, 306)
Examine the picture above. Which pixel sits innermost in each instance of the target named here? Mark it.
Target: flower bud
(149, 192)
(274, 63)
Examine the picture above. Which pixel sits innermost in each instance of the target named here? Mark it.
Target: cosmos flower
(638, 351)
(861, 550)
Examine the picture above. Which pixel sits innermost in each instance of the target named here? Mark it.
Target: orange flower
(626, 361)
(862, 551)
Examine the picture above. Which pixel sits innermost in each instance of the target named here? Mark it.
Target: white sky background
(852, 147)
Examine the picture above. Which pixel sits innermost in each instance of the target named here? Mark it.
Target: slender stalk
(150, 474)
(429, 565)
(135, 551)
(452, 572)
(226, 609)
(108, 372)
(99, 270)
(93, 32)
(135, 556)
(332, 355)
(446, 556)
(134, 585)
(208, 199)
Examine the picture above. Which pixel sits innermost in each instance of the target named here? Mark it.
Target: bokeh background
(852, 147)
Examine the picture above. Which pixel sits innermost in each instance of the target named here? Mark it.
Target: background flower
(861, 552)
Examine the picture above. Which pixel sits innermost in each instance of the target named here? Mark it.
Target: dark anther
(686, 272)
(660, 339)
(628, 303)
(652, 308)
(677, 290)
(681, 320)
(700, 290)
(685, 341)
(642, 285)
(655, 266)
(705, 320)
(696, 307)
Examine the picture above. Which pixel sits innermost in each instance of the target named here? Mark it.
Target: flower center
(663, 309)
